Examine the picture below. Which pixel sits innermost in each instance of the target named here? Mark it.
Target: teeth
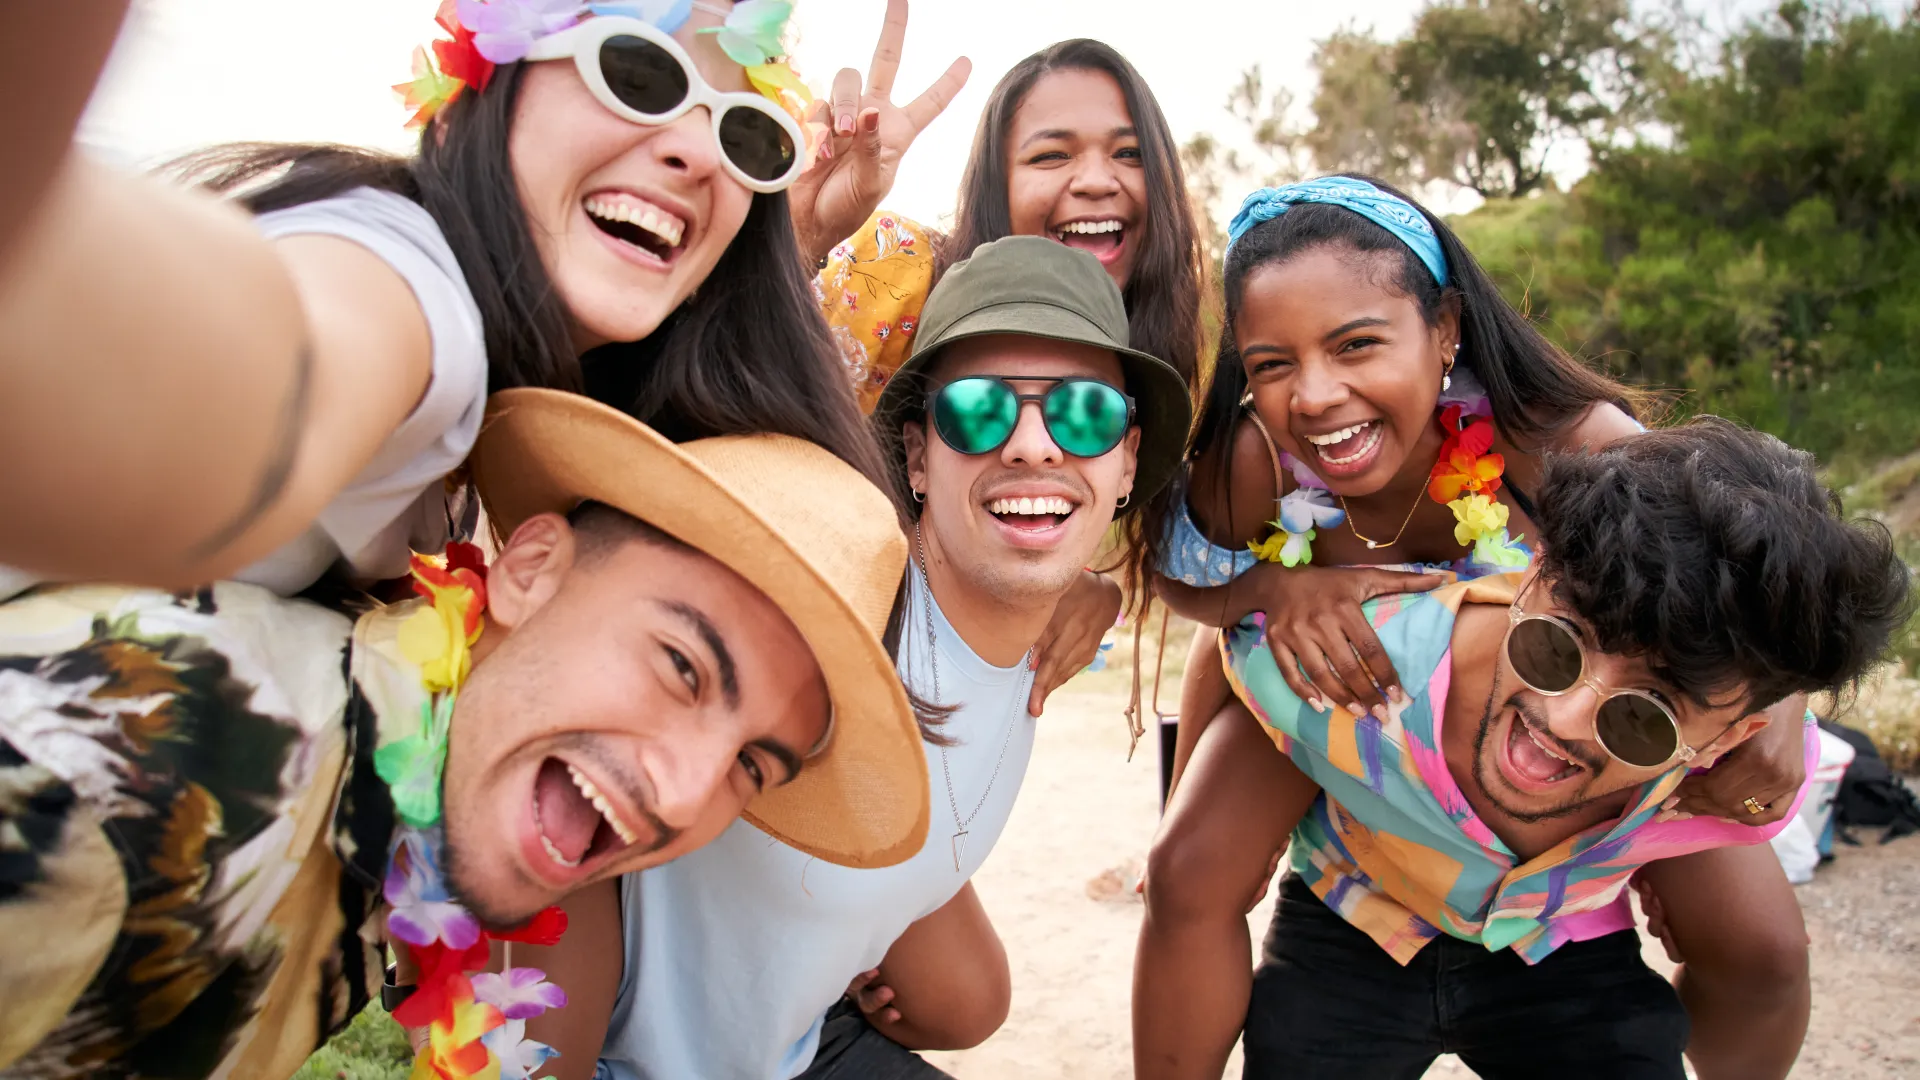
(668, 228)
(1340, 436)
(1366, 447)
(1091, 228)
(592, 794)
(1548, 750)
(554, 854)
(1046, 504)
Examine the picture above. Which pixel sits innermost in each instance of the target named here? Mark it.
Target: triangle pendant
(959, 846)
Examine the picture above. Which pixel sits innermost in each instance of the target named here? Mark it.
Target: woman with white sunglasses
(599, 203)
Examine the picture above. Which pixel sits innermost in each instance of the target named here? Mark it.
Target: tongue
(567, 819)
(1097, 243)
(1529, 760)
(1032, 521)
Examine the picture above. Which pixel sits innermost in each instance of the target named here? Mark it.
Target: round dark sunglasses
(1633, 726)
(977, 415)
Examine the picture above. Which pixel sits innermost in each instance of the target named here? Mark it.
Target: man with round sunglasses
(1023, 424)
(1460, 853)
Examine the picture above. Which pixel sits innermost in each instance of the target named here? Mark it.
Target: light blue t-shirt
(735, 952)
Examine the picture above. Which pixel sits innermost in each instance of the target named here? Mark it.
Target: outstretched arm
(50, 56)
(944, 985)
(180, 396)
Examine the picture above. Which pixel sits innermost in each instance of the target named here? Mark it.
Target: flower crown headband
(487, 33)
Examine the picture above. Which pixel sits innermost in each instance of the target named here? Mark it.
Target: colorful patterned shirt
(192, 834)
(1391, 842)
(871, 291)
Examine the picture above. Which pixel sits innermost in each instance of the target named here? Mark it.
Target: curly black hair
(1716, 553)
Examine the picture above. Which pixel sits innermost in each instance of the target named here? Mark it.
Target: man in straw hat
(1023, 423)
(197, 819)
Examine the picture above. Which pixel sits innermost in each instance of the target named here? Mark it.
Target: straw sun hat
(801, 526)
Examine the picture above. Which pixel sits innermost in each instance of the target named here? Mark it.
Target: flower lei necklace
(1463, 479)
(486, 33)
(476, 1019)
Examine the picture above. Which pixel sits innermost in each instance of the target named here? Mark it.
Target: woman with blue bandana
(1378, 418)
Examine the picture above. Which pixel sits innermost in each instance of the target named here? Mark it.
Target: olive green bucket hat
(1034, 286)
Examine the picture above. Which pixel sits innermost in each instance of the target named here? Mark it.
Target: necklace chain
(1372, 544)
(933, 657)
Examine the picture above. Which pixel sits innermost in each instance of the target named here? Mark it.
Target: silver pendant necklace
(959, 840)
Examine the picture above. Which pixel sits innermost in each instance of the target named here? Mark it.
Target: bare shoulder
(1600, 425)
(1232, 509)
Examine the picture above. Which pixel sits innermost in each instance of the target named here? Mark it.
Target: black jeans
(1329, 1002)
(852, 1049)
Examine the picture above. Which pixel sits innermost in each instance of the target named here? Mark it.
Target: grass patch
(373, 1047)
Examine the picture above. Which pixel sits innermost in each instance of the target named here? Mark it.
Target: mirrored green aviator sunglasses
(977, 415)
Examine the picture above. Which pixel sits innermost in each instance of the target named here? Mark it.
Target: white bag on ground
(1795, 848)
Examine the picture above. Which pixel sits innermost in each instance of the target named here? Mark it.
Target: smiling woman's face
(629, 219)
(1344, 369)
(1074, 170)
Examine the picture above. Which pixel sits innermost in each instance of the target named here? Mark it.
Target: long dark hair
(1162, 296)
(1535, 387)
(749, 352)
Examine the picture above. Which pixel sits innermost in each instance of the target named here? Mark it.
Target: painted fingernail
(1681, 815)
(1397, 695)
(1672, 801)
(844, 124)
(1380, 713)
(1356, 708)
(1315, 704)
(872, 121)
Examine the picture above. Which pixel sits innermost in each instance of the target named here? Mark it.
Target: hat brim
(1163, 408)
(863, 802)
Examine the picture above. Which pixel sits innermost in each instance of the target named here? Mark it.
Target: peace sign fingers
(926, 108)
(886, 54)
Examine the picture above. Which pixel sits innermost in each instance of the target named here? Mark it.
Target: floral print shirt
(1391, 842)
(871, 291)
(192, 835)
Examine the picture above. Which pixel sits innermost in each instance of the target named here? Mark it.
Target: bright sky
(192, 72)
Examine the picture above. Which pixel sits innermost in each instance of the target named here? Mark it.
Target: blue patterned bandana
(1390, 212)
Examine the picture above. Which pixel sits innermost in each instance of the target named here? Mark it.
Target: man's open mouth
(576, 821)
(637, 223)
(1033, 514)
(1535, 758)
(1102, 239)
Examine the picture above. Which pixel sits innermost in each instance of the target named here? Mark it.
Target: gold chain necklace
(1373, 544)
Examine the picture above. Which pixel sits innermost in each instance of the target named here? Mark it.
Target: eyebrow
(1064, 135)
(729, 672)
(784, 755)
(1355, 324)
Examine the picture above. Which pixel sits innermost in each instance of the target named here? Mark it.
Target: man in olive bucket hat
(1023, 423)
(199, 792)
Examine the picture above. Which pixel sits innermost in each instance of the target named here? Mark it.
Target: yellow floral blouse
(871, 291)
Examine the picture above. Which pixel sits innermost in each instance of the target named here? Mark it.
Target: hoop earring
(918, 495)
(1124, 500)
(1446, 373)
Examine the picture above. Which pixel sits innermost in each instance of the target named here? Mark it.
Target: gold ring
(1753, 806)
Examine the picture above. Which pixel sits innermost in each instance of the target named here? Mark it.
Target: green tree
(1764, 252)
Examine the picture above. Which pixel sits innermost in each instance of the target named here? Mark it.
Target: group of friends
(592, 586)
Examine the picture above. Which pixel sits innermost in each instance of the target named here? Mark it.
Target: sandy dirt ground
(1085, 809)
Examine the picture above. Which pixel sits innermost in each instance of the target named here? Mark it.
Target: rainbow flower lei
(475, 1019)
(1464, 479)
(483, 34)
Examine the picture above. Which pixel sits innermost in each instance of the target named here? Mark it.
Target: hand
(1657, 920)
(873, 1000)
(1320, 638)
(1266, 881)
(1072, 637)
(867, 136)
(1768, 768)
